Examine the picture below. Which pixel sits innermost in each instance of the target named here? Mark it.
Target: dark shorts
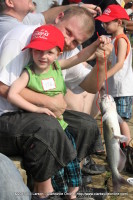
(124, 106)
(42, 143)
(40, 140)
(85, 131)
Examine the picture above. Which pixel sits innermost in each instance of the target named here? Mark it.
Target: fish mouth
(105, 102)
(105, 99)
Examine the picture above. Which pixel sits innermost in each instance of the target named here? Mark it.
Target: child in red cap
(44, 75)
(120, 73)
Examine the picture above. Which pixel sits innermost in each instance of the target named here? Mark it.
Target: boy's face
(111, 26)
(43, 59)
(73, 32)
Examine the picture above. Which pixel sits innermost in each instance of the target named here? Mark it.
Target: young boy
(44, 76)
(120, 73)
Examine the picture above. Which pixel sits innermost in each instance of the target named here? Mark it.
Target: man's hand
(94, 10)
(51, 14)
(58, 105)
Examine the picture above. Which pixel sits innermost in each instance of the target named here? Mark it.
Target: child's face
(111, 26)
(43, 59)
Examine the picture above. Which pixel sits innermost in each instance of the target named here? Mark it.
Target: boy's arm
(121, 55)
(56, 104)
(14, 93)
(15, 98)
(84, 54)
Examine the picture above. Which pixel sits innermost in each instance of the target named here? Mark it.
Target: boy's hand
(58, 105)
(46, 111)
(103, 52)
(104, 40)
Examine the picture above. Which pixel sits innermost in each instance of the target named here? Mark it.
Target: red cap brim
(39, 45)
(105, 18)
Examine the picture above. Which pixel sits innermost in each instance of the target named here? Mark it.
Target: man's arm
(90, 83)
(51, 14)
(55, 104)
(3, 90)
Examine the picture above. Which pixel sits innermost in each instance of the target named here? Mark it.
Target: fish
(112, 137)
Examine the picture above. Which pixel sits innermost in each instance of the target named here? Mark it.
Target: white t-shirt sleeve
(12, 61)
(129, 11)
(75, 75)
(34, 18)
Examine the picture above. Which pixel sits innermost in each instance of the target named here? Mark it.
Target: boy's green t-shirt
(50, 83)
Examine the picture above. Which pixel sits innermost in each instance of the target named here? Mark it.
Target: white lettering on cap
(43, 34)
(107, 11)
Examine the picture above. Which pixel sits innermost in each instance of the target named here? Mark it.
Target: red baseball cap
(113, 12)
(46, 37)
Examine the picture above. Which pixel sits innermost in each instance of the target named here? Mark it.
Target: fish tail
(117, 182)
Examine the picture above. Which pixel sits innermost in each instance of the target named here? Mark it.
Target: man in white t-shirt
(11, 17)
(29, 129)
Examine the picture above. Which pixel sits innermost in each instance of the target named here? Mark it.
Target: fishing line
(98, 92)
(106, 82)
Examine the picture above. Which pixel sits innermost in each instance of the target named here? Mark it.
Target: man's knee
(79, 119)
(44, 152)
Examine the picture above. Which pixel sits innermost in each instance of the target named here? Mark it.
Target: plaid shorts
(69, 176)
(124, 106)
